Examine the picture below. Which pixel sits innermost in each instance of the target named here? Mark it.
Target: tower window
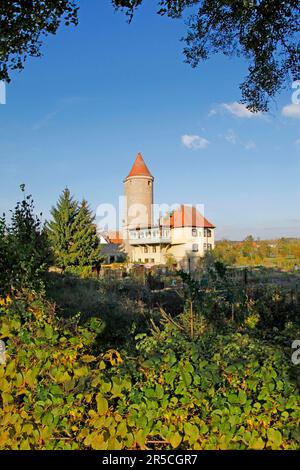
(145, 249)
(195, 247)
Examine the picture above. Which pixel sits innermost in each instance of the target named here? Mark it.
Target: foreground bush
(25, 253)
(215, 392)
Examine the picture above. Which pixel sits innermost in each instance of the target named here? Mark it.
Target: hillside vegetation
(283, 253)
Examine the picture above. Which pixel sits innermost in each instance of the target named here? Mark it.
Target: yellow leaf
(257, 444)
(102, 404)
(88, 358)
(25, 445)
(3, 438)
(97, 442)
(175, 440)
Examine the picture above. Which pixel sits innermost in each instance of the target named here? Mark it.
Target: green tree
(5, 258)
(28, 252)
(85, 249)
(73, 233)
(61, 229)
(265, 32)
(23, 24)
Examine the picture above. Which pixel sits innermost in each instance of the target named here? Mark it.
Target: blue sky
(106, 90)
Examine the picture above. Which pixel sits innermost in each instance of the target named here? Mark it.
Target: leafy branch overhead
(23, 24)
(265, 32)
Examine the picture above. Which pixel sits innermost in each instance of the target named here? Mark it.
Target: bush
(24, 249)
(214, 392)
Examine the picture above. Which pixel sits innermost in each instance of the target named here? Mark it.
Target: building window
(145, 249)
(154, 249)
(209, 247)
(152, 260)
(139, 260)
(146, 260)
(195, 247)
(194, 232)
(207, 232)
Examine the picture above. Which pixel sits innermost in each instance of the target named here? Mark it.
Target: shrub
(214, 392)
(24, 249)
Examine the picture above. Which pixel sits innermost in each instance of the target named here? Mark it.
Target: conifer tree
(62, 228)
(86, 247)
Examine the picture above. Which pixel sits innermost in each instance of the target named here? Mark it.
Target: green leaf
(48, 331)
(56, 390)
(105, 387)
(242, 397)
(274, 438)
(48, 419)
(257, 444)
(186, 377)
(81, 372)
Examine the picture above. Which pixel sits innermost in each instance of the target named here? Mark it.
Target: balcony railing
(149, 236)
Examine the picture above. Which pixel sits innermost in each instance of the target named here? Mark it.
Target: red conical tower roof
(139, 168)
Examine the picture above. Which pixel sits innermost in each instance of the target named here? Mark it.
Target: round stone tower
(138, 189)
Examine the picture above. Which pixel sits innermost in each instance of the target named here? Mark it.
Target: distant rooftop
(115, 238)
(186, 216)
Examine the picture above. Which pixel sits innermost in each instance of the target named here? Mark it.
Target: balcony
(149, 236)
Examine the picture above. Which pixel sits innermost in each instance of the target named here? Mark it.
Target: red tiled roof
(139, 168)
(186, 216)
(115, 238)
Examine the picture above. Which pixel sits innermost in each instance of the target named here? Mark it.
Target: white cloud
(234, 139)
(239, 110)
(213, 112)
(231, 137)
(194, 142)
(250, 145)
(291, 111)
(62, 104)
(43, 122)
